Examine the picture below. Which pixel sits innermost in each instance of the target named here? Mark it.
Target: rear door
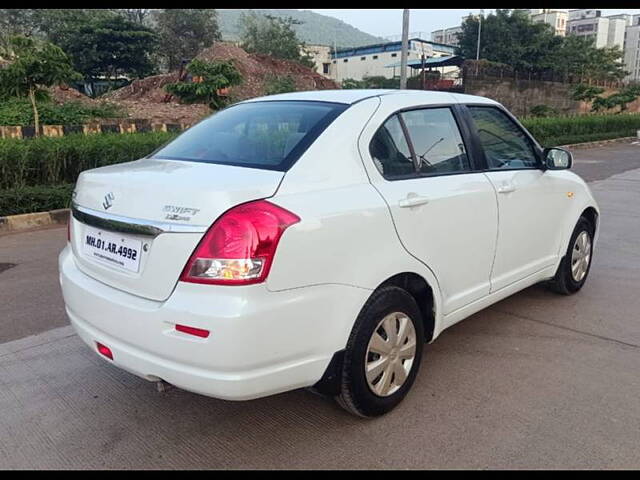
(529, 198)
(444, 209)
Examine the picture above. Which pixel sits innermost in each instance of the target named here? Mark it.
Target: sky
(385, 22)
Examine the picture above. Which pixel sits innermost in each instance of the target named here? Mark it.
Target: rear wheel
(383, 353)
(574, 267)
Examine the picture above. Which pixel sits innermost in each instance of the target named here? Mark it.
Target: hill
(316, 30)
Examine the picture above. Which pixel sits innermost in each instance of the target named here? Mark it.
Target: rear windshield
(269, 134)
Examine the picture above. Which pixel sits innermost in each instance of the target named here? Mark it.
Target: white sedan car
(319, 239)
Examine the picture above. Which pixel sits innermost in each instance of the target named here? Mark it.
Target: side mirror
(557, 158)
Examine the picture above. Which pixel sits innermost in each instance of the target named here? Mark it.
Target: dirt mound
(255, 70)
(164, 112)
(149, 89)
(67, 94)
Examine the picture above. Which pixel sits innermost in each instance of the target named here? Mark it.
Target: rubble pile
(144, 98)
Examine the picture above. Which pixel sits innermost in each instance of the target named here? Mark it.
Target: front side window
(436, 141)
(505, 145)
(268, 135)
(390, 151)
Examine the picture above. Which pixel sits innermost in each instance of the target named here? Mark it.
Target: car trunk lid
(158, 209)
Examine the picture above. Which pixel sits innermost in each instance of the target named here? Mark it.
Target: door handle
(412, 201)
(506, 188)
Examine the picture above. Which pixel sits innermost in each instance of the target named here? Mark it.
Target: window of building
(394, 54)
(345, 60)
(363, 58)
(325, 67)
(375, 57)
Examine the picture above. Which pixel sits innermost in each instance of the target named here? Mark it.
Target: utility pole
(405, 48)
(479, 31)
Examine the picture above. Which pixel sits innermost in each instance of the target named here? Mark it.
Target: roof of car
(350, 96)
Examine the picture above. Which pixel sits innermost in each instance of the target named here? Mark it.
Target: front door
(529, 198)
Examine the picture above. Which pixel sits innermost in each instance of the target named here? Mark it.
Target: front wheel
(383, 353)
(574, 267)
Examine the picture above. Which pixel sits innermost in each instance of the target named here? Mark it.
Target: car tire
(566, 282)
(389, 309)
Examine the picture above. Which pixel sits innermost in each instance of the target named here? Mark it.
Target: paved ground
(536, 381)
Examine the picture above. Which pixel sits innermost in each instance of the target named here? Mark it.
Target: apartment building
(557, 19)
(632, 50)
(321, 56)
(605, 31)
(448, 36)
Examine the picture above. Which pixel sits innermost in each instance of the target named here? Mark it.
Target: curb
(124, 126)
(599, 142)
(12, 223)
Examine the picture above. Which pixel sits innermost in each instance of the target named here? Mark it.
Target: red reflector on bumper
(106, 351)
(198, 332)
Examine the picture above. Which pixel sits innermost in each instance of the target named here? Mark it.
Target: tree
(34, 66)
(275, 36)
(512, 38)
(185, 32)
(17, 21)
(208, 78)
(585, 93)
(141, 16)
(110, 46)
(619, 99)
(508, 36)
(57, 24)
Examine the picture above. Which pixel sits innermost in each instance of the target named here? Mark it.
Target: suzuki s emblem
(108, 199)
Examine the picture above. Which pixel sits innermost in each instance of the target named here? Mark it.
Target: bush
(542, 111)
(34, 199)
(275, 84)
(59, 160)
(208, 78)
(552, 131)
(18, 111)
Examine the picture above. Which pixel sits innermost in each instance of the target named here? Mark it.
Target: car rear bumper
(260, 342)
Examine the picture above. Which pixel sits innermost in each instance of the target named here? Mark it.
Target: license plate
(111, 248)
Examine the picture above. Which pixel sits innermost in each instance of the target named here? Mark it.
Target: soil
(144, 98)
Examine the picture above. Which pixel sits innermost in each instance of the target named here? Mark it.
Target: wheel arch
(591, 214)
(422, 292)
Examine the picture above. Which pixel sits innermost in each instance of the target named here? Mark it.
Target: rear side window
(390, 151)
(269, 135)
(505, 145)
(437, 141)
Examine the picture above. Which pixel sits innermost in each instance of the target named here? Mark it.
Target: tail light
(239, 247)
